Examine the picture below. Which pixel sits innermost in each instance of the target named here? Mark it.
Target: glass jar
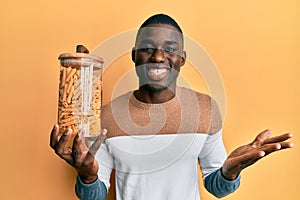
(80, 93)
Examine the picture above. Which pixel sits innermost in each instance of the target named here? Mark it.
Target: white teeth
(158, 72)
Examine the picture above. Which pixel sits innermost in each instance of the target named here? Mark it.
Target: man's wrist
(88, 179)
(228, 176)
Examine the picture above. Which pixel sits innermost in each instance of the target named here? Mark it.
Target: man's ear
(133, 52)
(183, 58)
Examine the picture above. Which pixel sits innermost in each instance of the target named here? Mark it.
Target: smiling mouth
(157, 74)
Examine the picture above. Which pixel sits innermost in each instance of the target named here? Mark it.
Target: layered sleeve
(97, 190)
(211, 159)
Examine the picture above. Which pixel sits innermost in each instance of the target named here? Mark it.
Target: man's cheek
(140, 71)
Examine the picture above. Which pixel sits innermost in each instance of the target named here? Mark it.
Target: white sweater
(155, 148)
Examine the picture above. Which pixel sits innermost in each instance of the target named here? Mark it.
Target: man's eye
(147, 49)
(170, 50)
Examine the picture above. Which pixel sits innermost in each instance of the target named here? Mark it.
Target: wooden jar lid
(80, 60)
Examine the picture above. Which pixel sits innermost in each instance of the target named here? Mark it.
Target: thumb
(261, 138)
(81, 49)
(96, 145)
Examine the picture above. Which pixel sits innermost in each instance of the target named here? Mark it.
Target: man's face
(158, 56)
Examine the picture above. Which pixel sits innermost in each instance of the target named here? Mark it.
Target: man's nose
(158, 56)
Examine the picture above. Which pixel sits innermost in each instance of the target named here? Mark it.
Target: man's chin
(155, 87)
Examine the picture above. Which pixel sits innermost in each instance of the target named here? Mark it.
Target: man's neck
(147, 95)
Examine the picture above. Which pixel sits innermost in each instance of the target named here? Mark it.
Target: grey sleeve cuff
(93, 191)
(217, 185)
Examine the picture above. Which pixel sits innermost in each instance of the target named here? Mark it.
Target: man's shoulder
(210, 117)
(190, 93)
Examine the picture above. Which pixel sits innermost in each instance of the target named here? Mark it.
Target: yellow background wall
(255, 45)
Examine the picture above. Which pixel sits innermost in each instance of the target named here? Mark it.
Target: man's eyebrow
(170, 42)
(147, 41)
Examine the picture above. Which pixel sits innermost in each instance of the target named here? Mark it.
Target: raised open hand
(78, 156)
(247, 155)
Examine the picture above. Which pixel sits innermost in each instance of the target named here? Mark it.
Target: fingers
(96, 145)
(54, 136)
(261, 138)
(285, 145)
(233, 166)
(279, 138)
(262, 151)
(250, 158)
(79, 147)
(247, 155)
(60, 146)
(270, 148)
(63, 141)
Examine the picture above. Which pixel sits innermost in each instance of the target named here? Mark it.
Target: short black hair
(161, 19)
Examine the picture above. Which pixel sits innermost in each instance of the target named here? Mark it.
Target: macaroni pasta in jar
(80, 93)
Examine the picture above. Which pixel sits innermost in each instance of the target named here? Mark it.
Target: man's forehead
(167, 41)
(159, 31)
